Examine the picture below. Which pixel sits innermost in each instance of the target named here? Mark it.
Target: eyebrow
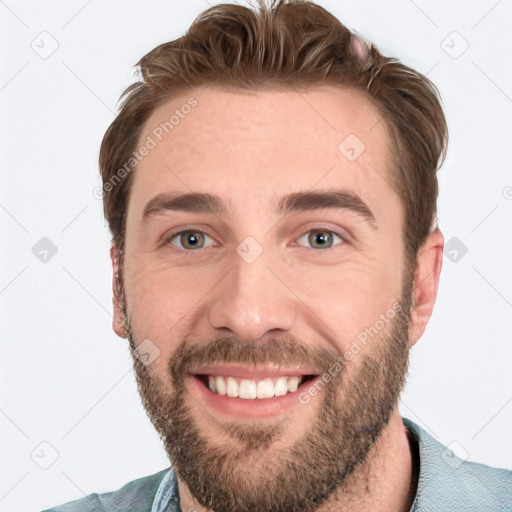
(198, 202)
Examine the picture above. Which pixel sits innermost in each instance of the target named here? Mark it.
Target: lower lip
(242, 408)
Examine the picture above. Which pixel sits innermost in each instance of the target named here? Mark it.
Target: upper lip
(260, 372)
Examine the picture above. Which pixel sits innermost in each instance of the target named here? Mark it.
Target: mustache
(190, 356)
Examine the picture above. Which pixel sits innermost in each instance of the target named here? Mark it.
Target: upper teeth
(250, 389)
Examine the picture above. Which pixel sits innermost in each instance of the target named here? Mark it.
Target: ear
(118, 321)
(426, 282)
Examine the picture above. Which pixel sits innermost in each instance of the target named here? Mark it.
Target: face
(272, 302)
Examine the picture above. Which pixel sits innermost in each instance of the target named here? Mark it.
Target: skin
(251, 149)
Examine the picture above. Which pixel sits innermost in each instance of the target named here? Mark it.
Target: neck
(388, 482)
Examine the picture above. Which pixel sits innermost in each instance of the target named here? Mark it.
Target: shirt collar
(167, 497)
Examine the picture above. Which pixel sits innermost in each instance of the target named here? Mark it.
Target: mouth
(249, 392)
(253, 388)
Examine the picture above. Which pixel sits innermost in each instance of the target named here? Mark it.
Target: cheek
(348, 298)
(160, 299)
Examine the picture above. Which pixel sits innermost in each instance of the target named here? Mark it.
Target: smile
(247, 391)
(250, 389)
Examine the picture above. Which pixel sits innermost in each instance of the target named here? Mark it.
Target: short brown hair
(299, 44)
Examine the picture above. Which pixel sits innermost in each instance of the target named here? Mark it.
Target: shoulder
(449, 482)
(135, 496)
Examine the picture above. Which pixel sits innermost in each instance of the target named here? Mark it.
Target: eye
(188, 240)
(321, 238)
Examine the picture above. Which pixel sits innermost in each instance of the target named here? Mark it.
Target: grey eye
(189, 240)
(320, 238)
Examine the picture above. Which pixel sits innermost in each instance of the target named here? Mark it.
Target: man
(270, 185)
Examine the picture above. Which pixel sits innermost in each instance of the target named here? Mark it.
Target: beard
(251, 466)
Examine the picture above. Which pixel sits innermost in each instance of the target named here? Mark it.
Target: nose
(252, 301)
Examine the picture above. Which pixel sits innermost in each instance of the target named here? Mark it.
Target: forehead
(256, 146)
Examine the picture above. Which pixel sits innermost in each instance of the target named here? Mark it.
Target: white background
(66, 378)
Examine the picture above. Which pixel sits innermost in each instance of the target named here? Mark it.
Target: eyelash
(188, 252)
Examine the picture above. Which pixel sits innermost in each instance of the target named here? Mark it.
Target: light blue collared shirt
(167, 497)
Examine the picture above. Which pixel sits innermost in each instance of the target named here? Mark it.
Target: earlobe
(118, 320)
(426, 282)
